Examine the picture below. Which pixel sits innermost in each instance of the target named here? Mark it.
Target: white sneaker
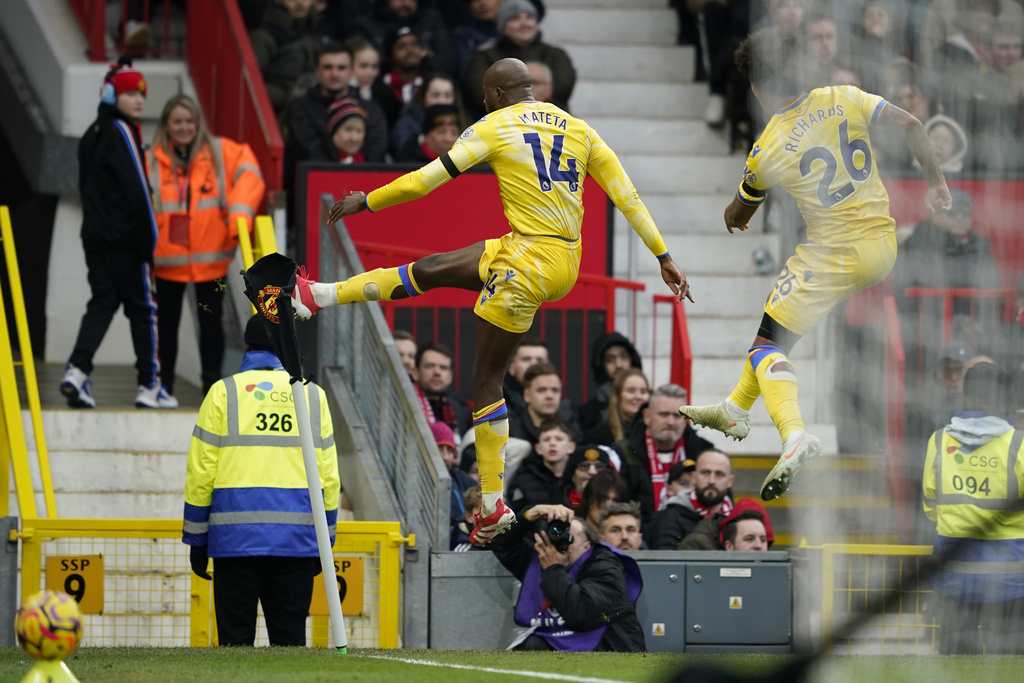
(714, 115)
(726, 417)
(77, 388)
(798, 450)
(156, 397)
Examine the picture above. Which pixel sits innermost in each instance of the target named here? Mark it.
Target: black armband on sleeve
(449, 165)
(752, 192)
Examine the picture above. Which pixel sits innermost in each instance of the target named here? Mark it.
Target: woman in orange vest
(202, 185)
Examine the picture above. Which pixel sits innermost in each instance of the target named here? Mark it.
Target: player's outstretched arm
(912, 130)
(348, 206)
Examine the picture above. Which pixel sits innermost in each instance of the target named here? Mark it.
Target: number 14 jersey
(540, 155)
(818, 150)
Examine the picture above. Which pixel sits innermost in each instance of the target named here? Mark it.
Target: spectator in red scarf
(346, 122)
(404, 58)
(710, 495)
(434, 390)
(711, 533)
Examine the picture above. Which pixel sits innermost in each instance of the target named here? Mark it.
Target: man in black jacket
(610, 355)
(119, 234)
(709, 496)
(577, 600)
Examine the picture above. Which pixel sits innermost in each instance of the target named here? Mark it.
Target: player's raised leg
(494, 349)
(459, 269)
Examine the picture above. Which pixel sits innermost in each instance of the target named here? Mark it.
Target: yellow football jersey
(818, 150)
(540, 155)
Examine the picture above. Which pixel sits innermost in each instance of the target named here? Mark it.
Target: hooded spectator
(610, 355)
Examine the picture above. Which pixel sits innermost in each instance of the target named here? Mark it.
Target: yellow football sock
(382, 284)
(777, 380)
(490, 427)
(747, 389)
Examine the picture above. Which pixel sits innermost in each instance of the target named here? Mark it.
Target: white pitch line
(486, 669)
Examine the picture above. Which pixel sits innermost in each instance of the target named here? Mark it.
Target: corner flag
(269, 284)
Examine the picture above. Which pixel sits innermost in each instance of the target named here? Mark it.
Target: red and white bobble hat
(120, 79)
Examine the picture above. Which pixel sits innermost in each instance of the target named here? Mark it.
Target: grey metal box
(748, 603)
(471, 602)
(660, 606)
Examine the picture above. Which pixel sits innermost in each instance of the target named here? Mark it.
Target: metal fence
(853, 574)
(356, 339)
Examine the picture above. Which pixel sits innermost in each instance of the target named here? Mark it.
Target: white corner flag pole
(316, 499)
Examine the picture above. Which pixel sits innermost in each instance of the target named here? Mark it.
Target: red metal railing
(681, 357)
(223, 67)
(229, 83)
(592, 293)
(948, 296)
(895, 404)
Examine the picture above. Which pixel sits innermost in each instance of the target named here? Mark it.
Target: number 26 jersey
(818, 150)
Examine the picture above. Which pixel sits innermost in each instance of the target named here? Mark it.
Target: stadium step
(638, 100)
(636, 63)
(611, 25)
(691, 174)
(724, 253)
(659, 136)
(612, 4)
(681, 217)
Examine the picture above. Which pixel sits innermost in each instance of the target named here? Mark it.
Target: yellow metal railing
(852, 575)
(140, 578)
(13, 448)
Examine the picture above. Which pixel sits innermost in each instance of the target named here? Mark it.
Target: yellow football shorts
(820, 276)
(520, 273)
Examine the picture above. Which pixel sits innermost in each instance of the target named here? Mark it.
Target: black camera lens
(557, 531)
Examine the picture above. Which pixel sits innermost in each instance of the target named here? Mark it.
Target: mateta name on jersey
(545, 117)
(807, 120)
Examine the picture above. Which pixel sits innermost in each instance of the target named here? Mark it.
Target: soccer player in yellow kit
(817, 147)
(540, 155)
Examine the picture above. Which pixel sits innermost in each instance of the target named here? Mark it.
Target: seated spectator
(845, 72)
(722, 26)
(822, 38)
(680, 479)
(306, 119)
(942, 17)
(745, 532)
(709, 532)
(441, 128)
(366, 70)
(603, 487)
(474, 31)
(620, 525)
(944, 251)
(959, 63)
(461, 482)
(948, 142)
(518, 37)
(658, 440)
(387, 16)
(434, 389)
(437, 88)
(472, 501)
(285, 46)
(997, 120)
(583, 464)
(611, 354)
(529, 352)
(877, 44)
(911, 93)
(579, 599)
(543, 81)
(710, 495)
(542, 398)
(405, 344)
(540, 479)
(468, 463)
(630, 391)
(404, 59)
(346, 121)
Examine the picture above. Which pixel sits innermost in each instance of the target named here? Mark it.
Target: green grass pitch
(308, 665)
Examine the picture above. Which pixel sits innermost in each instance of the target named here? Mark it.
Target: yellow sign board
(79, 576)
(349, 572)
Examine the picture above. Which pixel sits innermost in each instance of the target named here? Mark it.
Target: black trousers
(120, 279)
(210, 306)
(284, 586)
(974, 628)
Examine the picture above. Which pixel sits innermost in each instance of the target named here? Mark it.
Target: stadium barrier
(680, 353)
(854, 574)
(133, 581)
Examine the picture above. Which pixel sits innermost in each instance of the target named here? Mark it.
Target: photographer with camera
(578, 593)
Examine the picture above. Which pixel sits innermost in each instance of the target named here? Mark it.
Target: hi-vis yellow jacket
(214, 196)
(973, 476)
(245, 487)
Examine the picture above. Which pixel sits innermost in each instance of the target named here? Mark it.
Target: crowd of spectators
(955, 64)
(640, 465)
(407, 72)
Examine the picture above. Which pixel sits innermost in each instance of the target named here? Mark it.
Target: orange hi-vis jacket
(197, 210)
